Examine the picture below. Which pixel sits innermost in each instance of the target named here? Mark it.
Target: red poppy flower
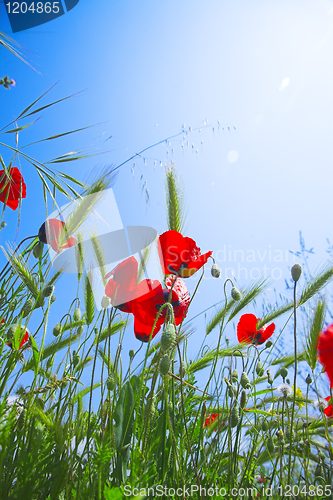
(325, 351)
(150, 298)
(120, 288)
(329, 410)
(247, 330)
(49, 233)
(210, 419)
(180, 255)
(13, 187)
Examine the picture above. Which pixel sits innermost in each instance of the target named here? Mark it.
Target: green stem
(294, 398)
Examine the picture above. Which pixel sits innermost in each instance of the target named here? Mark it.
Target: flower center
(174, 303)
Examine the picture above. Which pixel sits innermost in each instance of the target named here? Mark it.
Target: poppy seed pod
(270, 445)
(27, 307)
(264, 425)
(234, 416)
(269, 344)
(284, 372)
(57, 330)
(111, 381)
(243, 399)
(308, 379)
(234, 376)
(48, 290)
(164, 365)
(260, 369)
(296, 271)
(168, 337)
(77, 314)
(131, 353)
(3, 224)
(245, 381)
(215, 271)
(236, 294)
(38, 250)
(105, 302)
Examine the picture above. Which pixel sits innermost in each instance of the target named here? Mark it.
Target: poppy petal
(264, 333)
(246, 328)
(179, 254)
(325, 351)
(12, 188)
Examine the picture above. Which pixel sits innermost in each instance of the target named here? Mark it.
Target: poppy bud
(260, 369)
(284, 372)
(270, 445)
(318, 472)
(270, 380)
(264, 425)
(308, 379)
(38, 250)
(215, 271)
(288, 381)
(53, 299)
(79, 330)
(236, 294)
(164, 365)
(296, 271)
(48, 290)
(57, 330)
(27, 307)
(231, 391)
(11, 332)
(234, 376)
(111, 381)
(3, 224)
(234, 417)
(168, 337)
(245, 381)
(150, 408)
(243, 399)
(105, 302)
(77, 314)
(131, 353)
(269, 344)
(76, 358)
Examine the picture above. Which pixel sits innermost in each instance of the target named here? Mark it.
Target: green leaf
(124, 419)
(35, 352)
(113, 494)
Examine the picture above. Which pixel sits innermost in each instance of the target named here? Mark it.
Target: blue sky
(145, 69)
